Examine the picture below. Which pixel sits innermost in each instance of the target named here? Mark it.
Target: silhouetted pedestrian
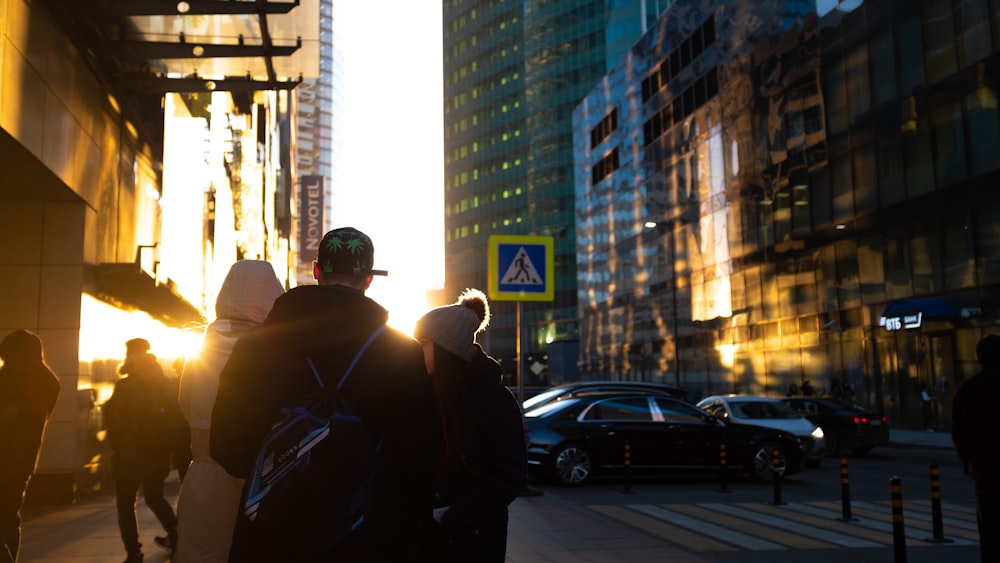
(484, 456)
(807, 389)
(28, 392)
(388, 390)
(210, 497)
(145, 426)
(973, 429)
(927, 407)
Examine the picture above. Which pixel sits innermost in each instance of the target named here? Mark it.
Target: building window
(679, 59)
(604, 129)
(605, 167)
(686, 103)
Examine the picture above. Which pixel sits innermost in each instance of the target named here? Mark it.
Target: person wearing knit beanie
(454, 327)
(484, 458)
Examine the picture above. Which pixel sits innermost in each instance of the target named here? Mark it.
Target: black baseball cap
(347, 251)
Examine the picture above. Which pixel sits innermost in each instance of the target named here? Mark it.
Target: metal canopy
(273, 43)
(143, 49)
(128, 287)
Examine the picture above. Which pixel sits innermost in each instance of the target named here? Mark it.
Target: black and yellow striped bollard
(845, 493)
(898, 529)
(627, 489)
(723, 483)
(937, 523)
(776, 475)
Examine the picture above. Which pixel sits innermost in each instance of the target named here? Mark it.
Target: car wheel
(860, 452)
(762, 462)
(572, 465)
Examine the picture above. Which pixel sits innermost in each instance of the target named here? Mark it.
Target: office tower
(513, 72)
(319, 158)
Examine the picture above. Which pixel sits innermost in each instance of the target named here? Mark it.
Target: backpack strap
(354, 362)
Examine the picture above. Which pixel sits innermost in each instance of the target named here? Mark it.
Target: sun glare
(105, 329)
(405, 306)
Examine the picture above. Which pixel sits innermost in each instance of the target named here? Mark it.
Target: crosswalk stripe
(916, 530)
(923, 517)
(718, 532)
(777, 534)
(719, 527)
(794, 526)
(824, 519)
(946, 507)
(664, 530)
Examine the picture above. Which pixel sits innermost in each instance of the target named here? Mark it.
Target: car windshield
(761, 409)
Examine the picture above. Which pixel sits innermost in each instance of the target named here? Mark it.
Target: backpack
(312, 483)
(156, 422)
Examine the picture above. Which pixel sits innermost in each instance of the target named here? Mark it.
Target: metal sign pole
(517, 350)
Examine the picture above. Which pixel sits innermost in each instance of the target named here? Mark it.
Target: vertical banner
(311, 219)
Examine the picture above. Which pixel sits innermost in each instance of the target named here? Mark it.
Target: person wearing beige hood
(210, 497)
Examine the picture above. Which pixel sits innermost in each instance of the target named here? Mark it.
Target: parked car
(578, 388)
(572, 440)
(844, 425)
(771, 413)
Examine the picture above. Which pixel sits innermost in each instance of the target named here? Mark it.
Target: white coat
(209, 496)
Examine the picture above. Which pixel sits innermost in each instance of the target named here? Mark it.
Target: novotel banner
(311, 219)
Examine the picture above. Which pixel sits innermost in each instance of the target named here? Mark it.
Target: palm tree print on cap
(347, 251)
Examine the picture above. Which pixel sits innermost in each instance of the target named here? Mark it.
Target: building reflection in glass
(765, 192)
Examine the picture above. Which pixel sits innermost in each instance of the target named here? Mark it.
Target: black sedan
(572, 440)
(844, 425)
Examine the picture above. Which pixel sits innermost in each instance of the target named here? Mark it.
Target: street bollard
(898, 530)
(938, 525)
(628, 469)
(845, 493)
(776, 475)
(724, 485)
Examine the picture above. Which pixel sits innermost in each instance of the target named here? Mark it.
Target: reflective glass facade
(513, 72)
(768, 193)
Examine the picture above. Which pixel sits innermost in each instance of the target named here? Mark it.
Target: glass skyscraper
(513, 72)
(769, 193)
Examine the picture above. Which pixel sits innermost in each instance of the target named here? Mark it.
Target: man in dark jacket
(973, 430)
(28, 392)
(388, 388)
(144, 424)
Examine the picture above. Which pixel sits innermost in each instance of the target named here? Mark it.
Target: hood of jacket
(248, 292)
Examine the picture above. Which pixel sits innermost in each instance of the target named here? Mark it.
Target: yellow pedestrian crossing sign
(521, 268)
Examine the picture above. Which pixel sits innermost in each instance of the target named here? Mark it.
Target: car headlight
(817, 433)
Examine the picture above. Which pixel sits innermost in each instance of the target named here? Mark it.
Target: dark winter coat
(28, 392)
(388, 388)
(144, 422)
(492, 468)
(974, 427)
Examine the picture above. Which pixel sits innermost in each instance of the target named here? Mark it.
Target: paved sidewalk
(541, 529)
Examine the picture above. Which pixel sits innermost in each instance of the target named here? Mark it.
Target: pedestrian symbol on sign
(522, 270)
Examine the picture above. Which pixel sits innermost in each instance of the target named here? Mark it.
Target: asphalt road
(810, 517)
